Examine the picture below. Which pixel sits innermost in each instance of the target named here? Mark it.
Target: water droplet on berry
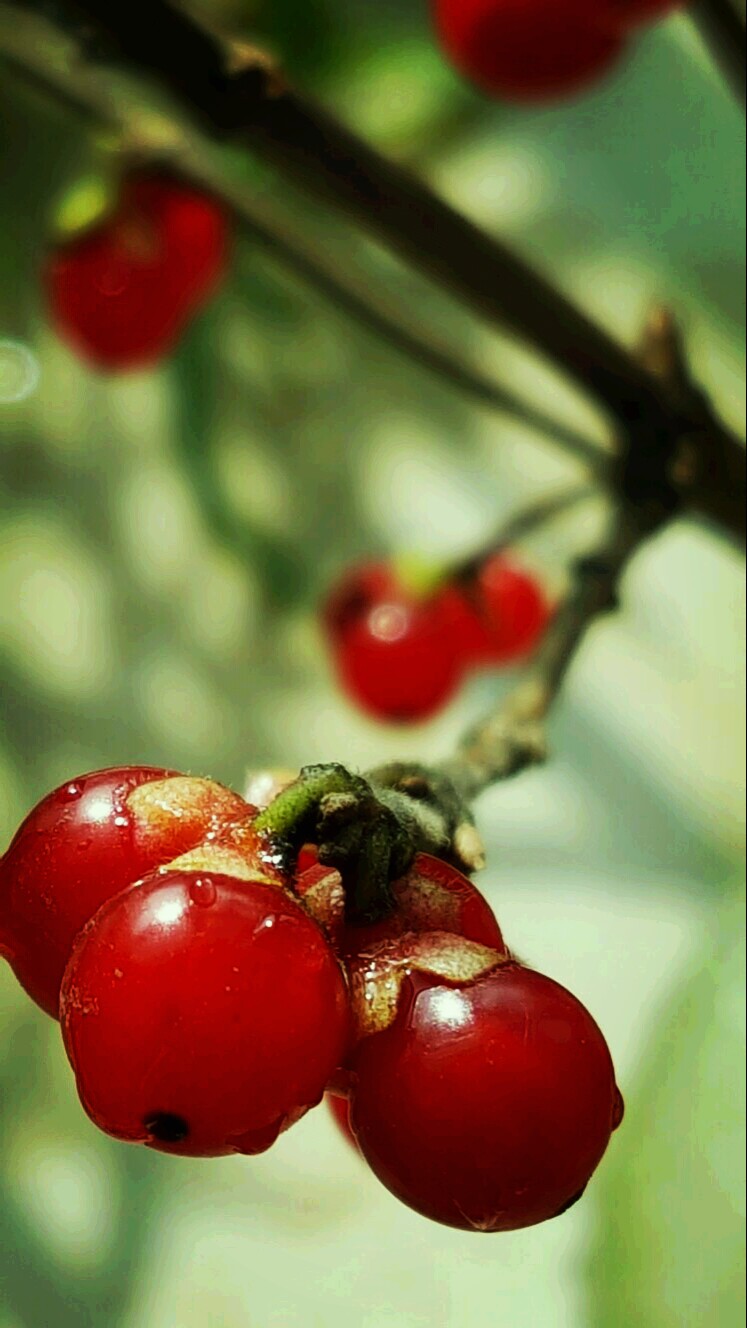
(72, 791)
(618, 1110)
(121, 821)
(203, 892)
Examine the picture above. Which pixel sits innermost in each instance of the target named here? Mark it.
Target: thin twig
(535, 516)
(723, 30)
(245, 101)
(513, 737)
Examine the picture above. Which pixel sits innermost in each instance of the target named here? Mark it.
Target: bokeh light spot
(19, 372)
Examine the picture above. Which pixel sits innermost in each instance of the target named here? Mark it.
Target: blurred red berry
(527, 50)
(501, 615)
(121, 292)
(395, 652)
(202, 1015)
(86, 841)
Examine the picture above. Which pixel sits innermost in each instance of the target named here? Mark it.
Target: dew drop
(72, 791)
(121, 821)
(203, 892)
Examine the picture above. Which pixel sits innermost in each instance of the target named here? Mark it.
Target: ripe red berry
(395, 652)
(202, 1015)
(121, 292)
(85, 842)
(484, 1102)
(501, 615)
(526, 50)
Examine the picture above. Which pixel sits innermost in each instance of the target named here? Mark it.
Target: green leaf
(671, 1249)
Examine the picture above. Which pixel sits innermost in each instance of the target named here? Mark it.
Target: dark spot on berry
(166, 1127)
(570, 1203)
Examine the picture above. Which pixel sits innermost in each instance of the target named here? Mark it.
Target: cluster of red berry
(208, 1000)
(535, 50)
(401, 652)
(122, 291)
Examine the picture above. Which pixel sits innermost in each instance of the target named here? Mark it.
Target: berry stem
(533, 517)
(370, 828)
(652, 471)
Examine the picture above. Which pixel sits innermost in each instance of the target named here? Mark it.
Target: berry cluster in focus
(208, 999)
(401, 652)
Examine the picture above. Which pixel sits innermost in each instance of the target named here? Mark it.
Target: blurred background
(164, 538)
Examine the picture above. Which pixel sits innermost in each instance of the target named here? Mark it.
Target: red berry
(340, 1110)
(502, 615)
(432, 896)
(526, 50)
(395, 652)
(202, 1014)
(486, 1103)
(121, 292)
(84, 843)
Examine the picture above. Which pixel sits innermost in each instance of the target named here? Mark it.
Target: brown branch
(723, 31)
(251, 105)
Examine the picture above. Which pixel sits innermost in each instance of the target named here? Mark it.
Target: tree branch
(723, 31)
(251, 105)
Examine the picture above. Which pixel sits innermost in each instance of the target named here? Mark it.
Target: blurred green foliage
(162, 541)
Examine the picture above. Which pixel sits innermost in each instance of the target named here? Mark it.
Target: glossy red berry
(202, 1015)
(501, 615)
(122, 292)
(85, 842)
(527, 50)
(484, 1104)
(395, 652)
